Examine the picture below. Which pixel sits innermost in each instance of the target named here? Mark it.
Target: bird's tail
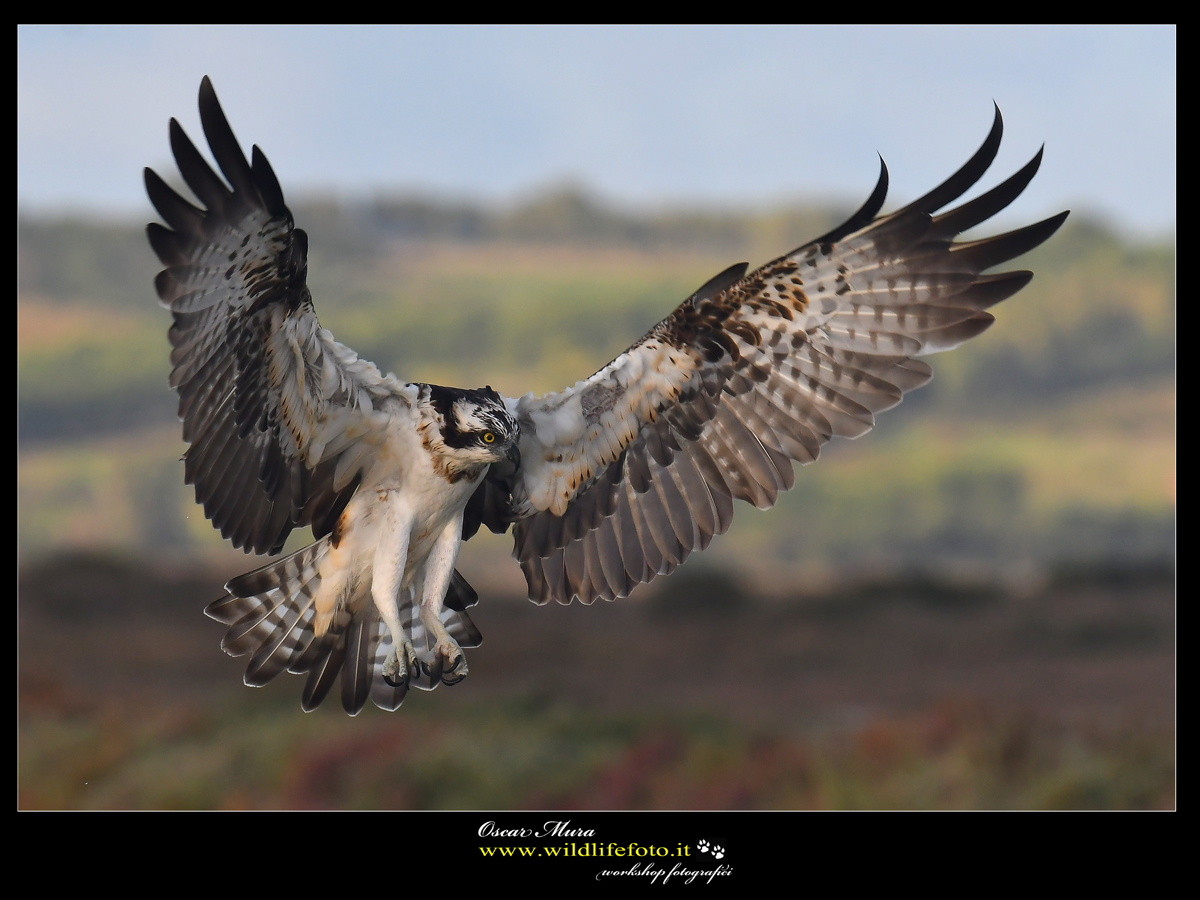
(271, 611)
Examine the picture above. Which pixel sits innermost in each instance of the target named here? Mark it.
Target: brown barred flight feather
(261, 385)
(608, 484)
(750, 373)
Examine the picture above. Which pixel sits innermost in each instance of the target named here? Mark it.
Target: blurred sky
(642, 117)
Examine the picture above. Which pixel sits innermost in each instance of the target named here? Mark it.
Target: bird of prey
(605, 485)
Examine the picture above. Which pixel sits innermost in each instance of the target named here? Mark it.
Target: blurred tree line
(1098, 311)
(538, 296)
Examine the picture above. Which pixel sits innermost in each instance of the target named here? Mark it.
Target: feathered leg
(449, 663)
(387, 577)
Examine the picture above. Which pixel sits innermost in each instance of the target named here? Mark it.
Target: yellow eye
(488, 437)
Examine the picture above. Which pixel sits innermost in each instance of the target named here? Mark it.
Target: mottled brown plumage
(771, 365)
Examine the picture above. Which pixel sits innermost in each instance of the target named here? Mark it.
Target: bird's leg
(387, 579)
(448, 662)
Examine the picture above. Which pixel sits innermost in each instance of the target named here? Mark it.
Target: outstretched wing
(628, 472)
(279, 417)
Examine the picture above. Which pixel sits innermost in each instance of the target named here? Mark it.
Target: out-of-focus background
(972, 606)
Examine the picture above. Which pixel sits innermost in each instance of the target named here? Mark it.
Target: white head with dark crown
(474, 430)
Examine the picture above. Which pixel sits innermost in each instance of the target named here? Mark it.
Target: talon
(457, 671)
(413, 665)
(433, 668)
(447, 663)
(393, 674)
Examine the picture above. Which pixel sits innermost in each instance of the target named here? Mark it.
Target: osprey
(605, 485)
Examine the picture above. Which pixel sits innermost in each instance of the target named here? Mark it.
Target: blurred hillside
(1049, 439)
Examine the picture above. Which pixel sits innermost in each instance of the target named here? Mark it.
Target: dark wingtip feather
(992, 251)
(200, 177)
(165, 244)
(177, 212)
(164, 286)
(267, 182)
(720, 282)
(223, 142)
(300, 242)
(984, 207)
(948, 338)
(971, 172)
(989, 290)
(865, 213)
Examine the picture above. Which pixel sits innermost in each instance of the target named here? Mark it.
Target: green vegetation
(544, 295)
(997, 495)
(555, 289)
(1050, 438)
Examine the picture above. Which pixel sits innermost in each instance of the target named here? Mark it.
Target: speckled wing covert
(626, 473)
(278, 415)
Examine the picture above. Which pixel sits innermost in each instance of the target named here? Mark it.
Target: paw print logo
(702, 846)
(718, 851)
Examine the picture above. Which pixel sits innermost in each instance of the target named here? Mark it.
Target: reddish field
(694, 696)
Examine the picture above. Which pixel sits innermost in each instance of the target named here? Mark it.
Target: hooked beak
(507, 467)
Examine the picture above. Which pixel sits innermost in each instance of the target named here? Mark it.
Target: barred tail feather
(457, 623)
(329, 654)
(271, 609)
(356, 668)
(270, 614)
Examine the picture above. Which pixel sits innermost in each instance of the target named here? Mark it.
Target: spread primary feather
(605, 485)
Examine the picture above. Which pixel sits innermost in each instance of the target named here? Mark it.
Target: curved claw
(448, 663)
(457, 671)
(414, 665)
(397, 675)
(433, 668)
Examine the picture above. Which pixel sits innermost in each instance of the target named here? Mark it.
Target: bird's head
(475, 427)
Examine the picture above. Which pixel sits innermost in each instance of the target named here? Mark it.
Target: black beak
(507, 468)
